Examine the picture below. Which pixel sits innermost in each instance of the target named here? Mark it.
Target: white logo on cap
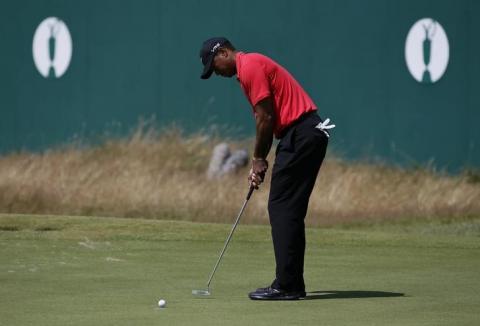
(215, 47)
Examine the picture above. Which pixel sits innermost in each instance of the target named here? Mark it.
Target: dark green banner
(400, 79)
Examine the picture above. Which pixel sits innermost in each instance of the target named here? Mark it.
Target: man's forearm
(264, 137)
(265, 122)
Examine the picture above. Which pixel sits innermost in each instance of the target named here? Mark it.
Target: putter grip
(250, 192)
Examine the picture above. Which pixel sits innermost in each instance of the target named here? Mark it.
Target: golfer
(284, 110)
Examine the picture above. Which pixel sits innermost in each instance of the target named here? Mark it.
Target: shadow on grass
(317, 295)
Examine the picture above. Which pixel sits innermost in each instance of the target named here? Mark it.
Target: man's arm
(265, 122)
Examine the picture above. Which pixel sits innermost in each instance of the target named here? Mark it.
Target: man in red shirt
(281, 108)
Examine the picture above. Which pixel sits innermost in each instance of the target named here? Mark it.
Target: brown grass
(163, 175)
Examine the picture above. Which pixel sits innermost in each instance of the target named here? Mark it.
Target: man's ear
(223, 52)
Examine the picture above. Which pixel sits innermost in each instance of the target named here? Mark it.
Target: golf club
(206, 292)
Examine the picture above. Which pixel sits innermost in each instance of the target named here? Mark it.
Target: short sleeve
(255, 82)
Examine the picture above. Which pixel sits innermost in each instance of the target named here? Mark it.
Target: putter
(206, 292)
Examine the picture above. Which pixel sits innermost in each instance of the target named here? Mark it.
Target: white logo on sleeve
(52, 48)
(427, 51)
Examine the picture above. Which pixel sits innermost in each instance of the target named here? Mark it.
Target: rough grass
(163, 175)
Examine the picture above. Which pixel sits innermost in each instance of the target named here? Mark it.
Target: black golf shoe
(271, 293)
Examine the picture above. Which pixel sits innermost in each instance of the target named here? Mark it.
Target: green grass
(107, 271)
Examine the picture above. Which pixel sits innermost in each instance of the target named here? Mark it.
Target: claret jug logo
(427, 51)
(52, 48)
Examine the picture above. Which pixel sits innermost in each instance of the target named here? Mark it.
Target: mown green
(107, 271)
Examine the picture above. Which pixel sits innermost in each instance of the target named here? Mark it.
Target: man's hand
(257, 172)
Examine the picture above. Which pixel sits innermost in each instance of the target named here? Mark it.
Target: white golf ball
(162, 303)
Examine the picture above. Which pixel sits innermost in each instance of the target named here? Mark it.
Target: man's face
(224, 63)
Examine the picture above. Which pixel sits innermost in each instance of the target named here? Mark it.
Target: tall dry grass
(163, 175)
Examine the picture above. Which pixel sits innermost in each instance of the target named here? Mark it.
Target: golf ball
(162, 303)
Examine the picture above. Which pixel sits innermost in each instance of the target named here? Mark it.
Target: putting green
(107, 271)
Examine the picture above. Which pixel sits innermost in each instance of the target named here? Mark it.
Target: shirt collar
(238, 62)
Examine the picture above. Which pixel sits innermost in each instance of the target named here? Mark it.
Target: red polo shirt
(260, 77)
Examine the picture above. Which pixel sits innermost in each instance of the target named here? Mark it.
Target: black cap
(207, 53)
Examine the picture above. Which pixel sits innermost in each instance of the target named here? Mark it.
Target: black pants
(298, 159)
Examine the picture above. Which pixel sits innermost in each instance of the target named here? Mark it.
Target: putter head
(201, 293)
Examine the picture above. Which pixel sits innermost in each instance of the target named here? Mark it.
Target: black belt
(299, 120)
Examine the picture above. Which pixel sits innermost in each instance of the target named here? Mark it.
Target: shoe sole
(278, 298)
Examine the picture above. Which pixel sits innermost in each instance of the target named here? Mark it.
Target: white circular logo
(52, 48)
(427, 50)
